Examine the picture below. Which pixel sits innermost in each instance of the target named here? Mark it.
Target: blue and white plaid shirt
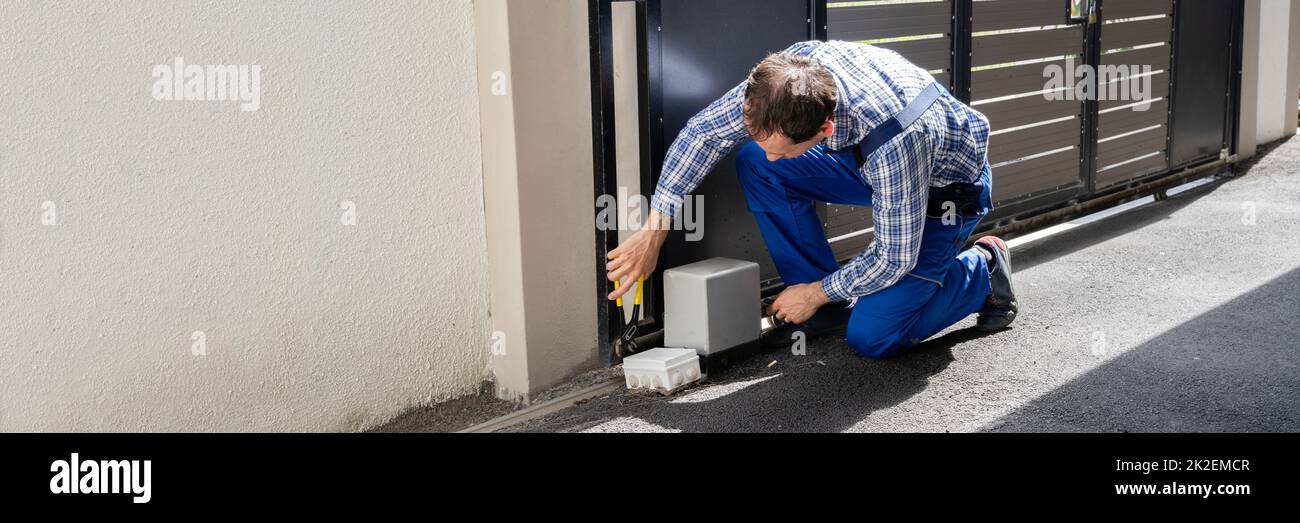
(946, 145)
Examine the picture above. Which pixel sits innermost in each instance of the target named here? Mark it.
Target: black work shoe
(1000, 308)
(830, 319)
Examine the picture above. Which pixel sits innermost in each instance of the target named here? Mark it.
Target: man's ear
(828, 127)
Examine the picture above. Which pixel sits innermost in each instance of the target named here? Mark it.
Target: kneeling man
(853, 124)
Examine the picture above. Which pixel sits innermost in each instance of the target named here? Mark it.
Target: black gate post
(600, 25)
(818, 19)
(1092, 47)
(961, 49)
(650, 64)
(1234, 77)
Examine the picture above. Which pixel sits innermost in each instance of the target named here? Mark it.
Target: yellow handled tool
(640, 286)
(626, 343)
(621, 324)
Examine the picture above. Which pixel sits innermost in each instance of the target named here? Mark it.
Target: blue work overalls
(945, 286)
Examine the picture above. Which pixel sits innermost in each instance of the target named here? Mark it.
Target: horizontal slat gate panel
(1012, 47)
(1159, 89)
(1028, 178)
(1014, 14)
(1116, 9)
(1125, 120)
(1129, 34)
(1132, 170)
(1027, 142)
(1129, 147)
(930, 54)
(1030, 109)
(848, 248)
(888, 21)
(1121, 151)
(1038, 175)
(1156, 57)
(1005, 81)
(844, 219)
(1117, 91)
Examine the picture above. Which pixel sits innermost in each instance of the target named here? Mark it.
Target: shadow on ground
(827, 390)
(1232, 369)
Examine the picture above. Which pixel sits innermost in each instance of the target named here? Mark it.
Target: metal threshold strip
(547, 407)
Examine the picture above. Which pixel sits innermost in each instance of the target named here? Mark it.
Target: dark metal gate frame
(653, 143)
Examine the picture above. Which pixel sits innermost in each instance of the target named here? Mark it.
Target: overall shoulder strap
(897, 123)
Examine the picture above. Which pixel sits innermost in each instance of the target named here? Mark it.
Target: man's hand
(637, 256)
(797, 303)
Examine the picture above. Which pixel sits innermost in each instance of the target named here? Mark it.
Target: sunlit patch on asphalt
(718, 391)
(627, 424)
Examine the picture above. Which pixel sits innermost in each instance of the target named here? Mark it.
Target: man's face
(779, 147)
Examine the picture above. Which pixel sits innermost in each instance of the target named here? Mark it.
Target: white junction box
(662, 369)
(712, 305)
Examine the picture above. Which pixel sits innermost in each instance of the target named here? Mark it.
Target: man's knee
(875, 342)
(873, 345)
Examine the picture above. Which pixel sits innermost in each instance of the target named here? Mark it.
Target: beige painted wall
(537, 171)
(1248, 116)
(1270, 73)
(1274, 25)
(176, 217)
(1291, 89)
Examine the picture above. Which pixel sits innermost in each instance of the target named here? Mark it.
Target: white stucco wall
(176, 217)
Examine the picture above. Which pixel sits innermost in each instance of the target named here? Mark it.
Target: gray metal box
(711, 305)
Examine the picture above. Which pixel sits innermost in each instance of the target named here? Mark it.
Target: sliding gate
(1158, 100)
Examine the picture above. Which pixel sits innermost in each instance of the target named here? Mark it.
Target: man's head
(789, 104)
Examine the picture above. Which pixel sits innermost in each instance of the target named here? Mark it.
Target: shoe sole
(1013, 312)
(1005, 318)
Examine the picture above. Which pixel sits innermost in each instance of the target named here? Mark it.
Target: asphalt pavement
(1180, 315)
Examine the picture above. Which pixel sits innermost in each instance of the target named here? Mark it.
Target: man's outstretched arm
(707, 138)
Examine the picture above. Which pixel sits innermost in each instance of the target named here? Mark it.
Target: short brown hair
(790, 94)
